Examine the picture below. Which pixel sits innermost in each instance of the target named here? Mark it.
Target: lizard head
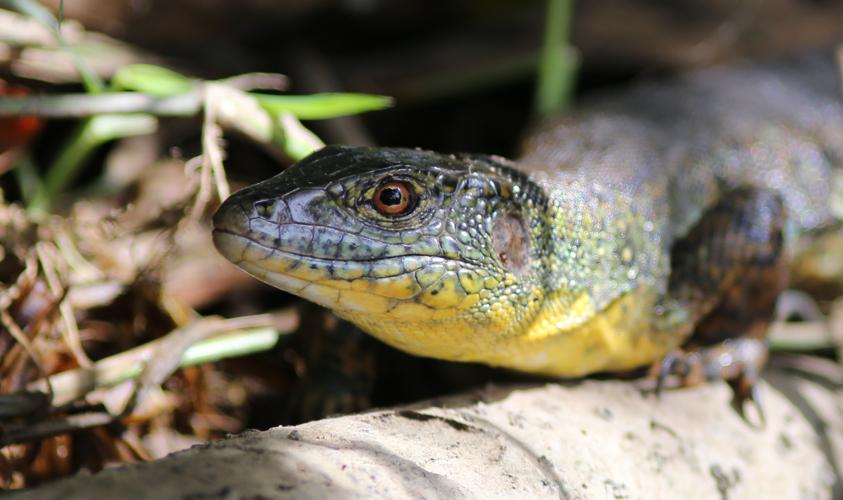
(439, 255)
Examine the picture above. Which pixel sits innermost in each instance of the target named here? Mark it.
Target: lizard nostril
(265, 208)
(272, 210)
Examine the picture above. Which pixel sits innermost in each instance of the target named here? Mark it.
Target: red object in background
(16, 131)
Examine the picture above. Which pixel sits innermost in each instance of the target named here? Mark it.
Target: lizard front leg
(726, 274)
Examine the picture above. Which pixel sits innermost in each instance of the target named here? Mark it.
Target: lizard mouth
(391, 286)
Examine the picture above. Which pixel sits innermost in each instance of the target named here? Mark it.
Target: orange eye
(393, 198)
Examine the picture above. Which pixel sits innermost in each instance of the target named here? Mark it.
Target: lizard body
(603, 247)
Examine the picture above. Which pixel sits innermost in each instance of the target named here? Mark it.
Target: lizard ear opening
(510, 241)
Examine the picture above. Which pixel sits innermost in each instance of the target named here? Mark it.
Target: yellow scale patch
(577, 340)
(563, 338)
(560, 341)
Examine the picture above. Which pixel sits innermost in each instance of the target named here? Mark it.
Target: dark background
(461, 71)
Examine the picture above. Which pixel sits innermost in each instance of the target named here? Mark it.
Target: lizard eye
(394, 198)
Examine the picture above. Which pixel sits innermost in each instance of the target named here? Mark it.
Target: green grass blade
(322, 106)
(230, 346)
(558, 63)
(152, 80)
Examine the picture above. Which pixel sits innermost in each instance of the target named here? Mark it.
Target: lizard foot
(737, 361)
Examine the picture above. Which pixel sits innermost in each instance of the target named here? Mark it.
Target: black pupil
(391, 196)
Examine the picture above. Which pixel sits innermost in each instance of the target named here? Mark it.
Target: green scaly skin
(559, 262)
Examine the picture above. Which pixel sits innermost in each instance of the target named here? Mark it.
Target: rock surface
(592, 439)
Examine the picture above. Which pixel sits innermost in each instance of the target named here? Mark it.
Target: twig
(16, 332)
(814, 366)
(307, 107)
(212, 150)
(82, 105)
(47, 253)
(71, 385)
(22, 404)
(40, 430)
(800, 336)
(254, 81)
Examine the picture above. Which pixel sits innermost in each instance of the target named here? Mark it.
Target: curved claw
(756, 400)
(680, 364)
(665, 369)
(737, 361)
(747, 390)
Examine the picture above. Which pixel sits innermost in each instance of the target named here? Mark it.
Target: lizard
(651, 227)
